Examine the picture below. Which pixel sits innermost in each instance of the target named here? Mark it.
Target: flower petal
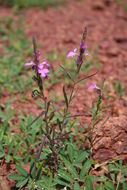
(87, 53)
(46, 71)
(84, 47)
(98, 90)
(43, 74)
(41, 66)
(29, 64)
(75, 50)
(92, 87)
(72, 53)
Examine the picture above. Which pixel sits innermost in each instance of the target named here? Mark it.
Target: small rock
(104, 142)
(98, 5)
(118, 146)
(114, 51)
(103, 59)
(120, 38)
(103, 154)
(107, 2)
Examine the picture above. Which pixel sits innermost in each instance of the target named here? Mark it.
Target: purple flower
(84, 47)
(92, 87)
(86, 54)
(43, 69)
(72, 53)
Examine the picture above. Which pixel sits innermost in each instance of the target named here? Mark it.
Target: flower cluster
(43, 68)
(74, 53)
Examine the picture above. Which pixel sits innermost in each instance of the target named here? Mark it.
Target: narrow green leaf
(51, 116)
(109, 186)
(65, 96)
(70, 168)
(21, 170)
(8, 158)
(33, 172)
(10, 147)
(82, 157)
(39, 172)
(29, 139)
(27, 159)
(21, 184)
(48, 104)
(16, 177)
(16, 149)
(71, 152)
(63, 183)
(119, 186)
(1, 151)
(31, 165)
(89, 184)
(1, 135)
(100, 187)
(59, 123)
(113, 168)
(76, 186)
(124, 186)
(86, 168)
(18, 157)
(65, 175)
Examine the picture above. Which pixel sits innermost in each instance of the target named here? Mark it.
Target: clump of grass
(122, 3)
(44, 4)
(15, 47)
(120, 89)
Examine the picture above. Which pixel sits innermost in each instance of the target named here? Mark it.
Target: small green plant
(19, 4)
(119, 89)
(75, 167)
(118, 174)
(11, 65)
(122, 3)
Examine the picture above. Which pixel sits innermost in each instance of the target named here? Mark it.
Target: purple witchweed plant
(83, 52)
(55, 131)
(95, 114)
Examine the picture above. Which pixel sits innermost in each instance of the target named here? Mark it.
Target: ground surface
(107, 30)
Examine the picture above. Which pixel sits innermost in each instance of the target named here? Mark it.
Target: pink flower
(84, 47)
(86, 54)
(92, 87)
(43, 69)
(72, 53)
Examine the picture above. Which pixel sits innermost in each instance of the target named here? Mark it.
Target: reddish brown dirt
(107, 29)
